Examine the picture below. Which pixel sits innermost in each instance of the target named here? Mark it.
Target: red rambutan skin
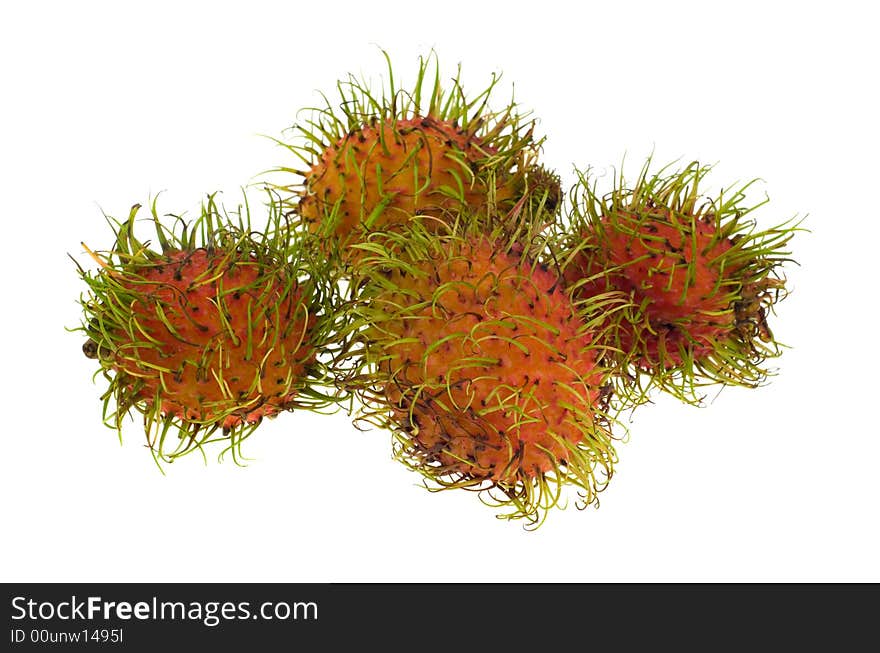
(214, 339)
(491, 372)
(400, 167)
(672, 266)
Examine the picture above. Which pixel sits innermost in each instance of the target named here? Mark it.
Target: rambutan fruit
(218, 329)
(482, 367)
(379, 159)
(702, 279)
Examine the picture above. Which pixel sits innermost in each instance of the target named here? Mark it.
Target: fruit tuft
(482, 367)
(218, 329)
(701, 277)
(376, 160)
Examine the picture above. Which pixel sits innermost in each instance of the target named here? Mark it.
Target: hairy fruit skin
(388, 170)
(376, 158)
(221, 327)
(216, 341)
(670, 271)
(485, 372)
(477, 370)
(701, 280)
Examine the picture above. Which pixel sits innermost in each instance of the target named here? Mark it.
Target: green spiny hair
(701, 275)
(480, 365)
(375, 158)
(220, 326)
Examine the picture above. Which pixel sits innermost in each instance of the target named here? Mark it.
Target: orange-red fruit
(672, 267)
(490, 372)
(390, 170)
(214, 339)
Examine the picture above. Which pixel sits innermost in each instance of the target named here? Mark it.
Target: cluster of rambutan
(424, 262)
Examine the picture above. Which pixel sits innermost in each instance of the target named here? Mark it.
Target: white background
(104, 104)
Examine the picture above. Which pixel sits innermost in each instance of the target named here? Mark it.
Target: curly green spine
(747, 269)
(283, 268)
